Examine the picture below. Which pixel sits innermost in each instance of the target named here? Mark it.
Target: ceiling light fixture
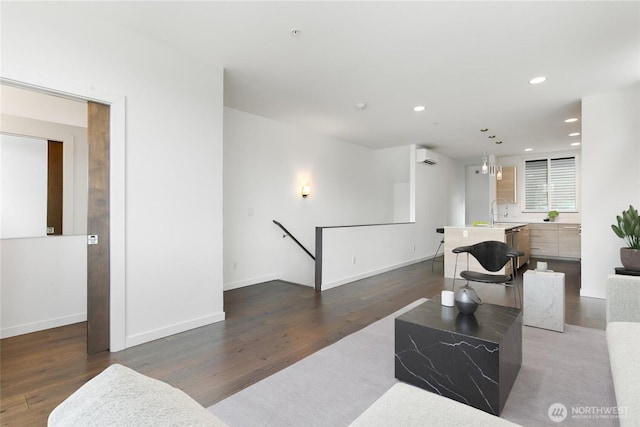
(537, 80)
(574, 134)
(491, 167)
(571, 120)
(489, 163)
(575, 144)
(419, 108)
(295, 32)
(528, 149)
(361, 106)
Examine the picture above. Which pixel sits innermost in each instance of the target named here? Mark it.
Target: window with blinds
(550, 184)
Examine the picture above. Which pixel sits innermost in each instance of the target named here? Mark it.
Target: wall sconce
(306, 190)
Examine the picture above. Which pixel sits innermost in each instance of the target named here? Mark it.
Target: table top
(489, 323)
(625, 272)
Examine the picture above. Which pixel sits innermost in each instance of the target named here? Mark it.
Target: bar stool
(439, 230)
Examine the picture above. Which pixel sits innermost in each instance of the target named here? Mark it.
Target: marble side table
(473, 359)
(544, 300)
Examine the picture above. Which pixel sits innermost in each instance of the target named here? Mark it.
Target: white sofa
(408, 406)
(623, 343)
(122, 397)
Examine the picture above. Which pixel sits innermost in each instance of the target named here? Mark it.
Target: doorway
(476, 195)
(111, 320)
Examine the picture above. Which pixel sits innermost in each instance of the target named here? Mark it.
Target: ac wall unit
(424, 155)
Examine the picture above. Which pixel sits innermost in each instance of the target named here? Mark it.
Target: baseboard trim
(248, 282)
(156, 334)
(41, 325)
(345, 280)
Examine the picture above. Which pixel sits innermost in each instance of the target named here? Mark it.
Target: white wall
(393, 164)
(23, 178)
(352, 253)
(43, 283)
(439, 201)
(75, 164)
(265, 165)
(610, 180)
(173, 136)
(477, 198)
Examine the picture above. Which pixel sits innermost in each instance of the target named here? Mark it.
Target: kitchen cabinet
(555, 240)
(543, 240)
(506, 187)
(569, 241)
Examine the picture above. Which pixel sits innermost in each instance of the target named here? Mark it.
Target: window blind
(550, 184)
(535, 185)
(562, 183)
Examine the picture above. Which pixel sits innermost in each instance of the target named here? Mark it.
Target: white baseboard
(41, 325)
(593, 293)
(248, 282)
(344, 281)
(156, 334)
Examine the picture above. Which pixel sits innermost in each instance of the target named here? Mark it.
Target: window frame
(548, 158)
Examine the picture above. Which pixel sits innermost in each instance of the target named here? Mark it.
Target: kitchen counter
(505, 225)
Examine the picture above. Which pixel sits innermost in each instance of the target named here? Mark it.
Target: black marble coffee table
(472, 359)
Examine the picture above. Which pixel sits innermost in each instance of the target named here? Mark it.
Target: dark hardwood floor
(267, 328)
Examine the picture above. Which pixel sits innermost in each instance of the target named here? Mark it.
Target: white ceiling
(469, 63)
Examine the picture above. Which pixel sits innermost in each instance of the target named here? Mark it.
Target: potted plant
(553, 215)
(628, 228)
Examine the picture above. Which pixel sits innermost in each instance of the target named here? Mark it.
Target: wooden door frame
(98, 283)
(60, 86)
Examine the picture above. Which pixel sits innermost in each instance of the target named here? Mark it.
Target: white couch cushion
(623, 298)
(120, 396)
(405, 405)
(623, 342)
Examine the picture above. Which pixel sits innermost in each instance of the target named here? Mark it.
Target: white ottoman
(120, 396)
(543, 305)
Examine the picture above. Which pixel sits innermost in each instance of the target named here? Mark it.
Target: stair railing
(287, 233)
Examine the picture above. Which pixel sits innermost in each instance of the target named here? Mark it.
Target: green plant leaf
(628, 227)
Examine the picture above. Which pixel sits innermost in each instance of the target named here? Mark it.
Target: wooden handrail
(293, 238)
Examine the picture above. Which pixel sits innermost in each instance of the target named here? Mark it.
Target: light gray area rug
(336, 384)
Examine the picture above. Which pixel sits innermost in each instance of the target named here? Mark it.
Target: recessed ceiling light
(575, 144)
(528, 149)
(361, 106)
(571, 120)
(498, 142)
(574, 134)
(419, 108)
(295, 32)
(537, 80)
(484, 130)
(492, 136)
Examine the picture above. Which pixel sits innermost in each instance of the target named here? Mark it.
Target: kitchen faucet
(497, 210)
